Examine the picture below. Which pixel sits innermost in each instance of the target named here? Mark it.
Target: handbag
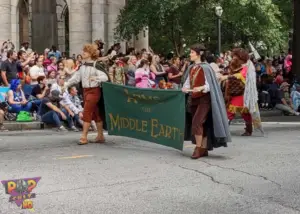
(24, 116)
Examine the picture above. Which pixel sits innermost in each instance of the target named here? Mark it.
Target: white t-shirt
(36, 71)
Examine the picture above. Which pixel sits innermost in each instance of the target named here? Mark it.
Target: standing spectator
(61, 70)
(25, 47)
(53, 65)
(131, 68)
(157, 69)
(6, 46)
(16, 98)
(174, 73)
(69, 68)
(143, 77)
(116, 72)
(9, 70)
(23, 63)
(47, 61)
(36, 71)
(54, 52)
(115, 50)
(52, 112)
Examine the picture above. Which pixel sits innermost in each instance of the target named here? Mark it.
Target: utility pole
(296, 39)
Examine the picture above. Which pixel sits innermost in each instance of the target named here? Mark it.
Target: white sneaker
(62, 129)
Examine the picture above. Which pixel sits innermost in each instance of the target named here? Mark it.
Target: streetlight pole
(296, 40)
(219, 12)
(219, 36)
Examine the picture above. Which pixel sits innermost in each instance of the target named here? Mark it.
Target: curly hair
(240, 53)
(92, 49)
(235, 65)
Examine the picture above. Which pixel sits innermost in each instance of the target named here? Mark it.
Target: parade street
(252, 175)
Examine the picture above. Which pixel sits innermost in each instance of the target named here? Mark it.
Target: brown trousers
(200, 108)
(91, 97)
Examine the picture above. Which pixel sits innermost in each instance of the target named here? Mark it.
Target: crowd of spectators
(34, 82)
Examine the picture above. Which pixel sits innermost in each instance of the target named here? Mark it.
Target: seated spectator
(284, 101)
(279, 77)
(2, 128)
(295, 95)
(52, 112)
(273, 92)
(52, 79)
(16, 98)
(58, 86)
(265, 97)
(41, 90)
(36, 71)
(71, 99)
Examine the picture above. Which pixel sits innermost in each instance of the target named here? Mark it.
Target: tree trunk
(296, 39)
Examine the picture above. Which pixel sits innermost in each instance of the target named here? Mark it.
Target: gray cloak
(217, 121)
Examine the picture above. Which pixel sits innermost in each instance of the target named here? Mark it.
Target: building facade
(68, 24)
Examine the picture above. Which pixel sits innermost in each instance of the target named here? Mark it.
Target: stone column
(142, 40)
(99, 17)
(114, 7)
(80, 25)
(60, 6)
(5, 21)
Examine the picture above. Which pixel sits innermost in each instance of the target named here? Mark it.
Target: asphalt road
(252, 175)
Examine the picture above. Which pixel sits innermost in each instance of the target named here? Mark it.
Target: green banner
(147, 114)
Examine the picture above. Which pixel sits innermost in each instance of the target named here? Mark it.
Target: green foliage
(173, 23)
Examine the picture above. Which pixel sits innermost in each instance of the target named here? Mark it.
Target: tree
(296, 39)
(173, 23)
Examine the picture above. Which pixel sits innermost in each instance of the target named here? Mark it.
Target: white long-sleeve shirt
(187, 85)
(89, 76)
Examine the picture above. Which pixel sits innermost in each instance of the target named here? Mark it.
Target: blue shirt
(57, 54)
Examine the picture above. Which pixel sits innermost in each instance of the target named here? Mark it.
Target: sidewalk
(267, 116)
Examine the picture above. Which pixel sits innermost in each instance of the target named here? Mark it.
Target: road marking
(189, 146)
(281, 123)
(95, 134)
(75, 157)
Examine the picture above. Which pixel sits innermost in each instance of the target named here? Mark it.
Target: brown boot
(199, 152)
(248, 130)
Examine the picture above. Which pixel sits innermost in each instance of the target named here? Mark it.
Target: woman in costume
(91, 78)
(243, 78)
(234, 94)
(209, 123)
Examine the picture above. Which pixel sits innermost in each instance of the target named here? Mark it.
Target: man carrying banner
(91, 76)
(209, 124)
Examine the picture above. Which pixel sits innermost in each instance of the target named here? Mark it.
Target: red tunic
(197, 79)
